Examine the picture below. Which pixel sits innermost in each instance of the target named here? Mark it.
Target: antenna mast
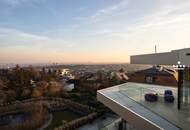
(155, 49)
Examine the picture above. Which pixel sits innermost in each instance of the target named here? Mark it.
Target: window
(149, 79)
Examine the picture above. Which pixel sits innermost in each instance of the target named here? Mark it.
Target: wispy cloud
(166, 16)
(124, 27)
(104, 12)
(20, 47)
(13, 2)
(18, 2)
(109, 10)
(167, 25)
(12, 37)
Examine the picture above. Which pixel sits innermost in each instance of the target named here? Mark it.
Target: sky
(90, 31)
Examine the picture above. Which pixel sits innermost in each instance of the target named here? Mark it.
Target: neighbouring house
(155, 75)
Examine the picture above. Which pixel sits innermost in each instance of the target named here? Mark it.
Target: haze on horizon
(95, 31)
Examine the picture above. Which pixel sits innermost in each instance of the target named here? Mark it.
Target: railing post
(180, 85)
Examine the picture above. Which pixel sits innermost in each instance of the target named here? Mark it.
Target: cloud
(20, 47)
(163, 19)
(10, 7)
(124, 28)
(102, 13)
(18, 2)
(13, 2)
(30, 55)
(111, 9)
(166, 16)
(171, 15)
(11, 37)
(167, 25)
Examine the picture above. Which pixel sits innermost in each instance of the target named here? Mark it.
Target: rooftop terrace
(128, 101)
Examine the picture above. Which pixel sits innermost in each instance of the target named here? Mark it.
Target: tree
(42, 85)
(19, 79)
(2, 84)
(11, 95)
(26, 93)
(34, 74)
(36, 93)
(54, 88)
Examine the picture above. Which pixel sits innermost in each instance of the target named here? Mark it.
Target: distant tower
(155, 49)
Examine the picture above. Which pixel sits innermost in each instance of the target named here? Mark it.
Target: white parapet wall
(167, 58)
(133, 118)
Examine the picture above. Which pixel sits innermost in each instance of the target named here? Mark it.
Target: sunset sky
(94, 31)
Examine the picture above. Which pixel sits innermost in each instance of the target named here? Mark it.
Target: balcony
(128, 101)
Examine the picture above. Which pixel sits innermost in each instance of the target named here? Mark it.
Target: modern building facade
(128, 100)
(166, 58)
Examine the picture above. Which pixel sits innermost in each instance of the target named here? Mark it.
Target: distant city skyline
(90, 31)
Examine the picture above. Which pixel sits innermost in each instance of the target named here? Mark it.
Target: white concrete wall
(168, 58)
(132, 118)
(184, 58)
